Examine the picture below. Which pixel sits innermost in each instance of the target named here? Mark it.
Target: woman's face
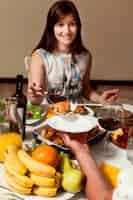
(65, 32)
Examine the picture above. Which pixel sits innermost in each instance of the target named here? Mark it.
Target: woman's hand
(36, 92)
(109, 96)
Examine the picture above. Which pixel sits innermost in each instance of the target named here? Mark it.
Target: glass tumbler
(109, 117)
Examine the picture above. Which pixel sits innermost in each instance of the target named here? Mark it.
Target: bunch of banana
(41, 179)
(45, 178)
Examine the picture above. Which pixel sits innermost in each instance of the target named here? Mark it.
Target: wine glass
(109, 118)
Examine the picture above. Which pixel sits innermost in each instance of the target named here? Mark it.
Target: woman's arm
(36, 79)
(97, 188)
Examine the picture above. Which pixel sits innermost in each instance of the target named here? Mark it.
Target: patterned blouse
(64, 73)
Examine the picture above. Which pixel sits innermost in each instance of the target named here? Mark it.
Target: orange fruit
(111, 173)
(46, 154)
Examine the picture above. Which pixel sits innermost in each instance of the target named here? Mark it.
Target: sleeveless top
(64, 73)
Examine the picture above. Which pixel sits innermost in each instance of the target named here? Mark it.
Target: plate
(52, 143)
(90, 111)
(73, 123)
(31, 121)
(4, 193)
(128, 107)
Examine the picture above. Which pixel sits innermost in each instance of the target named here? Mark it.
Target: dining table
(116, 158)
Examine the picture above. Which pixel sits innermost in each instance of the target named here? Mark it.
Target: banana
(48, 192)
(43, 181)
(22, 180)
(15, 186)
(12, 160)
(35, 166)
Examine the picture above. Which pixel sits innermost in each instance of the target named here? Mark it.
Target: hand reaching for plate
(75, 141)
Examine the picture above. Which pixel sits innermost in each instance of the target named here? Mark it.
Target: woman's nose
(66, 28)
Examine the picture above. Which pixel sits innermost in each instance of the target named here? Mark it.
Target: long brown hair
(60, 9)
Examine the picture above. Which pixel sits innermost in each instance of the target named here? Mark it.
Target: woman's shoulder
(42, 52)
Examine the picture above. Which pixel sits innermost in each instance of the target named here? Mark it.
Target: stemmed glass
(110, 118)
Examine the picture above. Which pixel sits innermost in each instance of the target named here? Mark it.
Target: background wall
(107, 32)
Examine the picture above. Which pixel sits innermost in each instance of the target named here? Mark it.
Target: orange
(111, 173)
(46, 154)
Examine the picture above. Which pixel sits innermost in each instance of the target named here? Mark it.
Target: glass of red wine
(130, 144)
(110, 119)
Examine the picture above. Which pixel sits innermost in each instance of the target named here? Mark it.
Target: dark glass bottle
(21, 104)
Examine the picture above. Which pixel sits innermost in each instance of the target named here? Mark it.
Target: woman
(60, 63)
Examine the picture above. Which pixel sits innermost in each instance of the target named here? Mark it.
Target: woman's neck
(62, 49)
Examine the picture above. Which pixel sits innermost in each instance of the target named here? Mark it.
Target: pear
(71, 177)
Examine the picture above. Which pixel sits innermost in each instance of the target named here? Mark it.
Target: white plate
(73, 123)
(90, 111)
(60, 196)
(31, 121)
(128, 107)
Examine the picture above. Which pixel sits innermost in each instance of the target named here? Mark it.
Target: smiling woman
(60, 63)
(20, 28)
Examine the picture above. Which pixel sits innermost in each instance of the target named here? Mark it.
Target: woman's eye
(73, 24)
(60, 24)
